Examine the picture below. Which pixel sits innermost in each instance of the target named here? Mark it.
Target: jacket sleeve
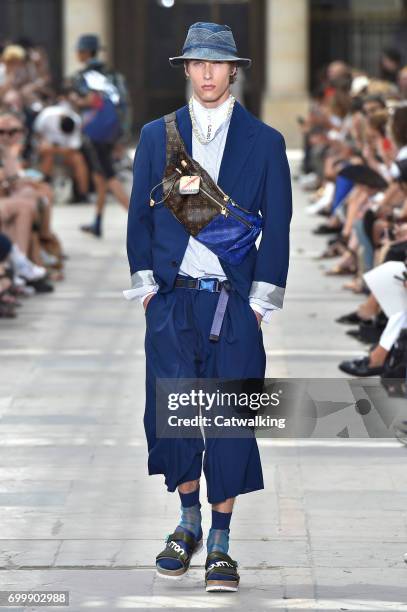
(139, 224)
(271, 268)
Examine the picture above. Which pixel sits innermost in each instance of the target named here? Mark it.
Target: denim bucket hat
(210, 42)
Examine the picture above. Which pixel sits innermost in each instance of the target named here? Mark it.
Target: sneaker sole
(172, 574)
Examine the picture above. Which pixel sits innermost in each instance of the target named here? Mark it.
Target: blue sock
(190, 523)
(191, 518)
(218, 538)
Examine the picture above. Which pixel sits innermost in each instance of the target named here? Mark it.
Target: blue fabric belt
(214, 285)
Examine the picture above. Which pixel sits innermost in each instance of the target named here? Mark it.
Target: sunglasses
(12, 132)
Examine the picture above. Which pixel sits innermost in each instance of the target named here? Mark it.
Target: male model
(179, 281)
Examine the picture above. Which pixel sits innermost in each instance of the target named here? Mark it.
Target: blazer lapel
(239, 144)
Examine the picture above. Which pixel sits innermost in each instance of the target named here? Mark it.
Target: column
(85, 17)
(286, 94)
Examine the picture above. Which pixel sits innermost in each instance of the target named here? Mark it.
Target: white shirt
(199, 261)
(47, 124)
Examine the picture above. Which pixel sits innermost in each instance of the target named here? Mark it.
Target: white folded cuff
(267, 294)
(265, 312)
(142, 283)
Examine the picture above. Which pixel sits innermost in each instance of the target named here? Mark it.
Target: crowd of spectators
(355, 168)
(80, 127)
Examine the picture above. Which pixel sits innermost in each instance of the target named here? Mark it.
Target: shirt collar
(210, 116)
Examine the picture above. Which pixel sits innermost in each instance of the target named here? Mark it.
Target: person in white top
(59, 129)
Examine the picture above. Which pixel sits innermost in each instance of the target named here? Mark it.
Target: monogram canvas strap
(176, 152)
(175, 144)
(194, 211)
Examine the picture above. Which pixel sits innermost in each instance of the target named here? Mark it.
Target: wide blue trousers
(177, 345)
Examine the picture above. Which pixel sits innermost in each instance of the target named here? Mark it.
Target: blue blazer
(254, 172)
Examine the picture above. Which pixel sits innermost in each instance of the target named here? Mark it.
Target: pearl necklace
(195, 128)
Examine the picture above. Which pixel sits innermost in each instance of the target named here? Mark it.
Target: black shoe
(41, 286)
(79, 199)
(360, 367)
(323, 230)
(93, 229)
(370, 331)
(355, 333)
(325, 212)
(350, 319)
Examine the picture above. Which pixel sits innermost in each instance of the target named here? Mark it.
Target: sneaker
(322, 202)
(309, 181)
(29, 271)
(48, 258)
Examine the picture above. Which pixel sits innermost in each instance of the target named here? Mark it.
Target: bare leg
(101, 190)
(31, 193)
(225, 506)
(369, 308)
(356, 200)
(377, 356)
(47, 163)
(119, 192)
(80, 171)
(19, 214)
(188, 487)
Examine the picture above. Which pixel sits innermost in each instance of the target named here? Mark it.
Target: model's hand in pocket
(258, 316)
(147, 300)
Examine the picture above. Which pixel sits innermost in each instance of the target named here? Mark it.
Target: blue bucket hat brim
(209, 55)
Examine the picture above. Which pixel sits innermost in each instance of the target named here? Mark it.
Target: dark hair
(67, 124)
(399, 126)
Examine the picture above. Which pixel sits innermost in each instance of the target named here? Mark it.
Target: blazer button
(174, 264)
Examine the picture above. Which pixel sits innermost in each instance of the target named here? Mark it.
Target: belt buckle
(207, 284)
